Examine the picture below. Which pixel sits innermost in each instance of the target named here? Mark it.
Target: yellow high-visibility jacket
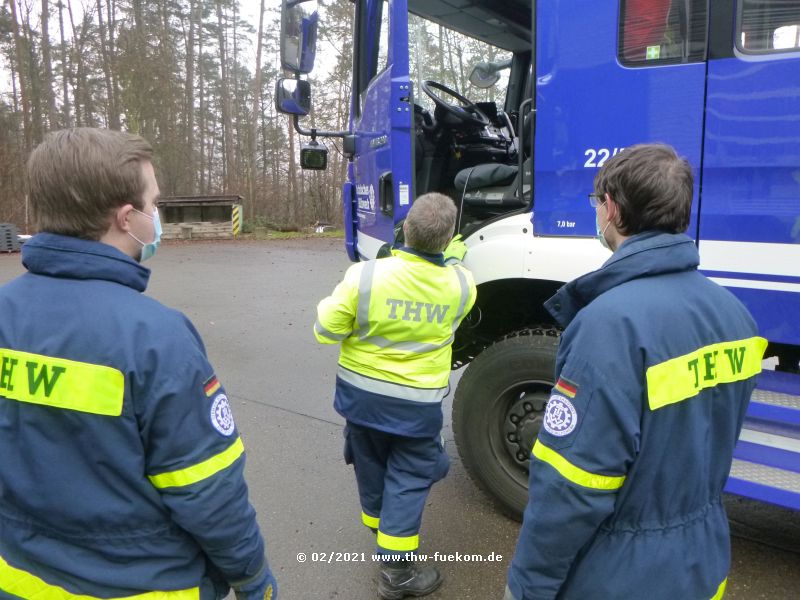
(395, 318)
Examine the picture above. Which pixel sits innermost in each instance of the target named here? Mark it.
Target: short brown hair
(652, 186)
(430, 223)
(77, 177)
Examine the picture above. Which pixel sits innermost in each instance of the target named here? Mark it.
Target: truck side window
(661, 31)
(372, 51)
(766, 26)
(383, 39)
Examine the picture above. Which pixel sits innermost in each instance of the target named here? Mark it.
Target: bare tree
(251, 174)
(65, 69)
(21, 62)
(47, 64)
(229, 174)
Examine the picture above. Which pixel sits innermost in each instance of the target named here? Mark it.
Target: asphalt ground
(254, 304)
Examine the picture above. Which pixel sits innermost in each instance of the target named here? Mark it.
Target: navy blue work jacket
(122, 469)
(653, 376)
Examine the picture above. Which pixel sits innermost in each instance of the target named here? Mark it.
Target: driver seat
(495, 187)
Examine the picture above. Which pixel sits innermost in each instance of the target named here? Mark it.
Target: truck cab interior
(480, 152)
(474, 149)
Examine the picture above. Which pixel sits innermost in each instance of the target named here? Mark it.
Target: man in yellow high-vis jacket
(396, 318)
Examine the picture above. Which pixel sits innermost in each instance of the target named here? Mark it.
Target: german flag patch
(211, 385)
(566, 387)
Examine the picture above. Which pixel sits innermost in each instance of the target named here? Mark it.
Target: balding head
(430, 223)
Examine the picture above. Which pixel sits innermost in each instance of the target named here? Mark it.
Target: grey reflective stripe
(416, 347)
(319, 329)
(463, 301)
(362, 316)
(393, 390)
(364, 295)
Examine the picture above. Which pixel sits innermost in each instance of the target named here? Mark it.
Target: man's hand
(455, 251)
(263, 588)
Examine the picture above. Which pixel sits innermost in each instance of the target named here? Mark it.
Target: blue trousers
(394, 475)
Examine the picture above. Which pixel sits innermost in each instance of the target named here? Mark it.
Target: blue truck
(575, 82)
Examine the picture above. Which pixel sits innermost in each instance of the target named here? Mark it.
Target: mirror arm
(315, 133)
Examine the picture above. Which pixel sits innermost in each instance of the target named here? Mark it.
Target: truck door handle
(386, 194)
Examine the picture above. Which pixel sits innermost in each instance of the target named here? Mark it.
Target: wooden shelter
(200, 217)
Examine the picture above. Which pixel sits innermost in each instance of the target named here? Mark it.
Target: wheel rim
(514, 424)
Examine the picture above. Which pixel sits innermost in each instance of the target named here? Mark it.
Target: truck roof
(505, 24)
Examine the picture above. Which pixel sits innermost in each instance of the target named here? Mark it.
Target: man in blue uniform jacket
(122, 469)
(653, 375)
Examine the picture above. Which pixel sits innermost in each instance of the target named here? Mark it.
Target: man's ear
(121, 217)
(612, 209)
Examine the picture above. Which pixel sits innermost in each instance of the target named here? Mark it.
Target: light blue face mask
(148, 250)
(601, 234)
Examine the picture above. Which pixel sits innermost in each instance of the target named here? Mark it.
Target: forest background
(196, 78)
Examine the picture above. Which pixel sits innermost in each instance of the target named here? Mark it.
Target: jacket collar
(69, 257)
(437, 259)
(643, 255)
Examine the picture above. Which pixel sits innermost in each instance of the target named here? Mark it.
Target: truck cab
(514, 131)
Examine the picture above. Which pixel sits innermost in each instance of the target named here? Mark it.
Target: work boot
(402, 578)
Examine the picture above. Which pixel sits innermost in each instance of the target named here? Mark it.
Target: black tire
(497, 412)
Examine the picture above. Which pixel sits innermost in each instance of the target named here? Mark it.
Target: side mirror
(485, 74)
(314, 155)
(299, 19)
(293, 96)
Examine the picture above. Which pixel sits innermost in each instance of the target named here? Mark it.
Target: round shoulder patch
(221, 415)
(560, 417)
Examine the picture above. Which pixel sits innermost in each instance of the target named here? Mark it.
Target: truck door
(382, 116)
(750, 208)
(618, 74)
(750, 221)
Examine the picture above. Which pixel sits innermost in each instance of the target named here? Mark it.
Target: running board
(774, 406)
(766, 465)
(768, 484)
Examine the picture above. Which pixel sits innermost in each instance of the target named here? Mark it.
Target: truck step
(769, 484)
(772, 448)
(774, 406)
(776, 399)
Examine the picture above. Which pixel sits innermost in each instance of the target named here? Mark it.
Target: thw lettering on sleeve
(686, 376)
(43, 373)
(61, 383)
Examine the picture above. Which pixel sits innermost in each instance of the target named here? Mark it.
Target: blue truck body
(725, 95)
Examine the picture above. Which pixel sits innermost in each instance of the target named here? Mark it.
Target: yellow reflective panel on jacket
(200, 471)
(27, 585)
(686, 376)
(397, 317)
(575, 474)
(61, 383)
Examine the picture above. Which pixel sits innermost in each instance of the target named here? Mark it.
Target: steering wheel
(468, 113)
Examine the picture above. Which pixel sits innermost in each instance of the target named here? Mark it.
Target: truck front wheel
(498, 409)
